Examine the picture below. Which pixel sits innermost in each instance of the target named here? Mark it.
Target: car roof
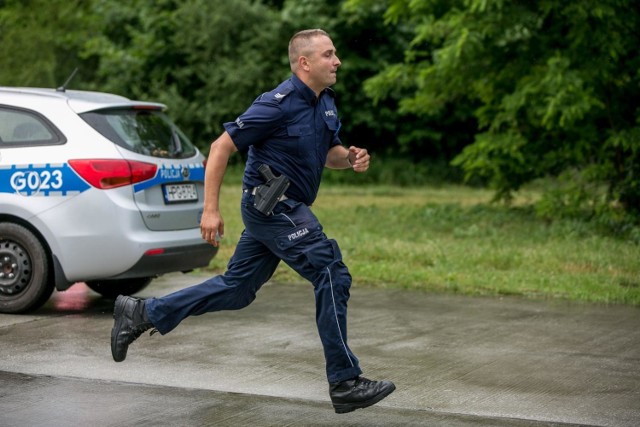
(82, 101)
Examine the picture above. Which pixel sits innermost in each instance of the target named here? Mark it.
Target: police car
(94, 188)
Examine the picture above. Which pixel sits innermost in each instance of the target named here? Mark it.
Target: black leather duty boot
(130, 321)
(358, 393)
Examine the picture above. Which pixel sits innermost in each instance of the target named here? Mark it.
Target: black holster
(269, 193)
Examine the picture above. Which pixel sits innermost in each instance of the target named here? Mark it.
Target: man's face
(323, 62)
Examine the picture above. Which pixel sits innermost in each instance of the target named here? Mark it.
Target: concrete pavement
(456, 361)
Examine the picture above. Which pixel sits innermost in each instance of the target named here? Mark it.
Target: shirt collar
(305, 91)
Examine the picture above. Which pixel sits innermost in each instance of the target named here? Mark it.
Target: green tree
(205, 59)
(552, 85)
(41, 40)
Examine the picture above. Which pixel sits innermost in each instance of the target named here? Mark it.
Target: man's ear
(303, 63)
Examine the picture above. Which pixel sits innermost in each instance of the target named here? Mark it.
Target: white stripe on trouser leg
(335, 312)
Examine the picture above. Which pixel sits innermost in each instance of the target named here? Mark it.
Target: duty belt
(252, 191)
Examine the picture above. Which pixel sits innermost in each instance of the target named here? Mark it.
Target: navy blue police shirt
(290, 130)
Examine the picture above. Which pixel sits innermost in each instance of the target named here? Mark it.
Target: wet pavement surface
(456, 361)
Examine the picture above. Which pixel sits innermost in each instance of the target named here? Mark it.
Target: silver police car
(94, 188)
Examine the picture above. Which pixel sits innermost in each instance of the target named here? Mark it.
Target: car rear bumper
(183, 258)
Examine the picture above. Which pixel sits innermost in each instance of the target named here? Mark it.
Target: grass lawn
(451, 239)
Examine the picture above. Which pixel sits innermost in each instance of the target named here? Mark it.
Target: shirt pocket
(303, 135)
(333, 127)
(332, 123)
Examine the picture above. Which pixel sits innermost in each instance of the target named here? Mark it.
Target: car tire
(25, 282)
(113, 288)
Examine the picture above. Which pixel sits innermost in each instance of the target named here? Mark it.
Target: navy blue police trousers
(294, 235)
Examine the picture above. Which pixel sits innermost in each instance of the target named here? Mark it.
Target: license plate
(177, 193)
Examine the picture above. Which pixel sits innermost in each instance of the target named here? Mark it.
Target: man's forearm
(338, 158)
(221, 150)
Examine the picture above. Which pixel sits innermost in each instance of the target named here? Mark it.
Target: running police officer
(291, 134)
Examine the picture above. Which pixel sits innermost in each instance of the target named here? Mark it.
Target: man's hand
(212, 227)
(359, 159)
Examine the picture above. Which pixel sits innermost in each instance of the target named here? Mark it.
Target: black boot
(130, 321)
(358, 393)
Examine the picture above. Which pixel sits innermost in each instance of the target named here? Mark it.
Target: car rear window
(148, 132)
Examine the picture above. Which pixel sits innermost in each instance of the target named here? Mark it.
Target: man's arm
(354, 158)
(212, 222)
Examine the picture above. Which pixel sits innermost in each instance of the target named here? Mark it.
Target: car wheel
(25, 283)
(113, 288)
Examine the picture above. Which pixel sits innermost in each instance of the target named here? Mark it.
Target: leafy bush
(577, 197)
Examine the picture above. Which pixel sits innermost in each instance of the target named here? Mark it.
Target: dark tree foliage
(552, 86)
(41, 41)
(205, 59)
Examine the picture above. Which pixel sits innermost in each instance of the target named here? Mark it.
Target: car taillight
(112, 173)
(152, 252)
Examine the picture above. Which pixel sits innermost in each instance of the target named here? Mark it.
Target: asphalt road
(456, 361)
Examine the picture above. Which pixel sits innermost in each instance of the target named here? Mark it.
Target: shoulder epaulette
(281, 93)
(277, 94)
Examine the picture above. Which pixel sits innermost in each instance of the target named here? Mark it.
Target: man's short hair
(300, 43)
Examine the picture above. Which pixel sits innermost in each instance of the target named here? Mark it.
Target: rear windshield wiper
(177, 143)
